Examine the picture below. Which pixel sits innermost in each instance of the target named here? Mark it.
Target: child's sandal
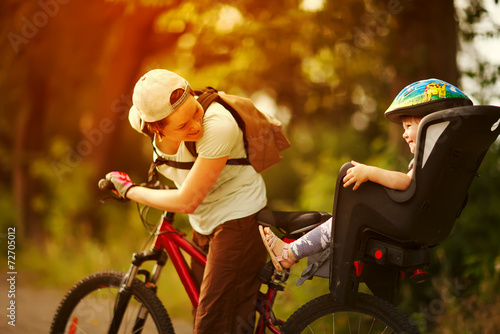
(270, 244)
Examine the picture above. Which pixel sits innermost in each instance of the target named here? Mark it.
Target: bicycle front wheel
(89, 308)
(369, 315)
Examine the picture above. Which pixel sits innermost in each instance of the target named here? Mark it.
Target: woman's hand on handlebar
(121, 182)
(108, 184)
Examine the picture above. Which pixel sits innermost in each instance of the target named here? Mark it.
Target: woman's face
(186, 123)
(410, 125)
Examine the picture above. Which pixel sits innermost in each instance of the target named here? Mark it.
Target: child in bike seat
(222, 200)
(408, 108)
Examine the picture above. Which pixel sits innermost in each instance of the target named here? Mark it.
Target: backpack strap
(153, 172)
(209, 95)
(205, 98)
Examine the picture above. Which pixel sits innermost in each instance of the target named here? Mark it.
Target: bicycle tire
(88, 307)
(324, 315)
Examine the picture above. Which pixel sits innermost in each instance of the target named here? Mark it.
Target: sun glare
(312, 5)
(229, 17)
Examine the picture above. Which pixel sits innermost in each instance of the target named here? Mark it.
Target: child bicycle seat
(380, 233)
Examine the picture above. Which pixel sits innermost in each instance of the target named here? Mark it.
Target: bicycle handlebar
(105, 184)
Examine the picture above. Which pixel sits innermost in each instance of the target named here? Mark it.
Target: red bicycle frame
(172, 240)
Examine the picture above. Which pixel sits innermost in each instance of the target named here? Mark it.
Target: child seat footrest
(317, 265)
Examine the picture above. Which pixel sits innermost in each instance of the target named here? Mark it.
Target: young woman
(222, 200)
(408, 108)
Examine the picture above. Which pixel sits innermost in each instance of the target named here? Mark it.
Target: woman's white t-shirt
(238, 192)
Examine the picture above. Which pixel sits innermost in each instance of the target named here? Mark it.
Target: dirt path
(35, 307)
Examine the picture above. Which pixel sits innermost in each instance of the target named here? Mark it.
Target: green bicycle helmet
(425, 97)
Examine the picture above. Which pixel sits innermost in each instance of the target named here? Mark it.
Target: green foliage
(9, 214)
(318, 171)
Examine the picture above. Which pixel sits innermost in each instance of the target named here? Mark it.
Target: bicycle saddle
(293, 224)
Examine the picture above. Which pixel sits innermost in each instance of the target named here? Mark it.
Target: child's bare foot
(281, 255)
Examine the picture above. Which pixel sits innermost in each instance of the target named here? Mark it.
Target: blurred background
(328, 69)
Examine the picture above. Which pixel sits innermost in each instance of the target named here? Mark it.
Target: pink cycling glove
(121, 181)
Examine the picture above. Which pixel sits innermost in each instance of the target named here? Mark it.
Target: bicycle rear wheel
(89, 307)
(369, 315)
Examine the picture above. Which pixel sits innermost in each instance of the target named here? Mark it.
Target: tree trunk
(28, 146)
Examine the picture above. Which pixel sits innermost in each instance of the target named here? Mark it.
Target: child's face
(410, 125)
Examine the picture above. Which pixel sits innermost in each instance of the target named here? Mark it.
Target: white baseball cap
(151, 97)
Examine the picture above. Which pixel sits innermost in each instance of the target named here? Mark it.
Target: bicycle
(119, 302)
